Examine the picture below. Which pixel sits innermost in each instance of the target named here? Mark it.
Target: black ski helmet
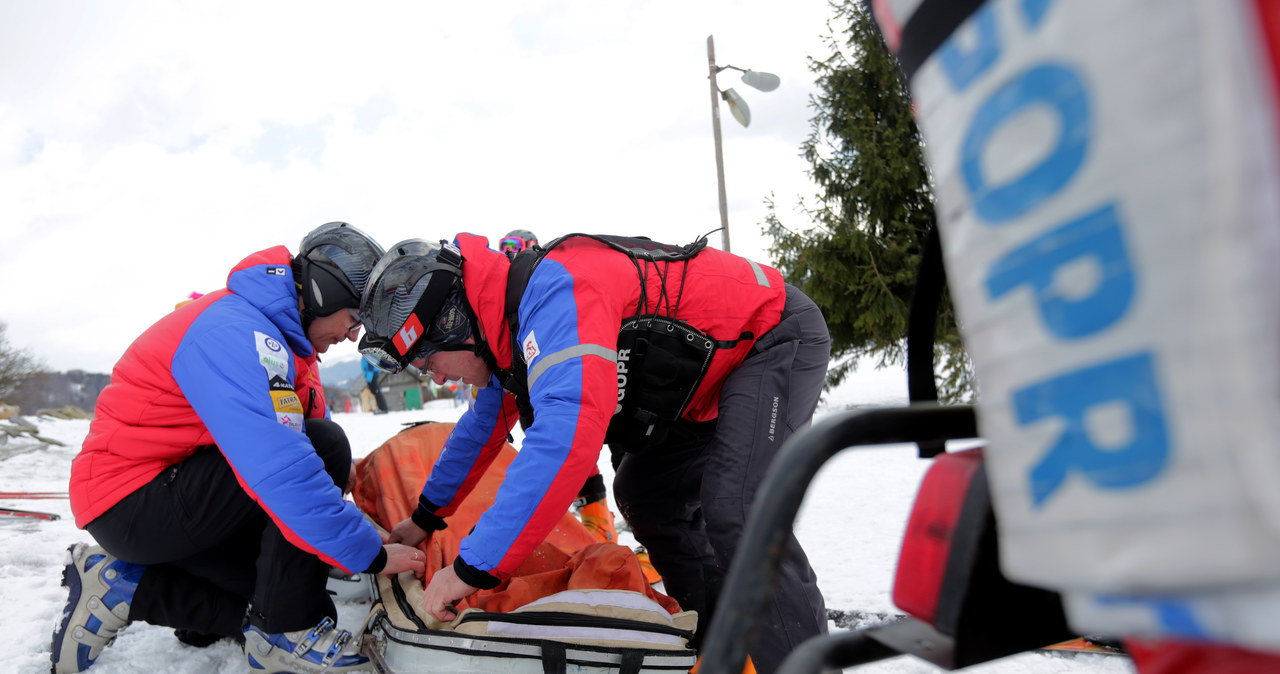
(332, 268)
(414, 305)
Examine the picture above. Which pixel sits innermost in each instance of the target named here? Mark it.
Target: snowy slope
(850, 524)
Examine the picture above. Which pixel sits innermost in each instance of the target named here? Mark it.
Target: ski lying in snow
(32, 494)
(1086, 645)
(28, 514)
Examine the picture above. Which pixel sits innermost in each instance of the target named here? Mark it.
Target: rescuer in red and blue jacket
(442, 309)
(212, 478)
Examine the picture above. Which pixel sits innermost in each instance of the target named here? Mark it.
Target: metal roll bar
(754, 570)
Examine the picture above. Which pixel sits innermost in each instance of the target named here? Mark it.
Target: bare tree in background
(16, 365)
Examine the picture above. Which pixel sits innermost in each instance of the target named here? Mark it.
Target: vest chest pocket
(661, 362)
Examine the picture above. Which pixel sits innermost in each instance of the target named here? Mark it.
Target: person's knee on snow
(240, 365)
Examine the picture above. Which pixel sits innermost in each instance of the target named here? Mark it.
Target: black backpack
(661, 359)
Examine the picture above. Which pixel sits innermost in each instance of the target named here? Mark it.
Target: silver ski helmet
(414, 305)
(332, 268)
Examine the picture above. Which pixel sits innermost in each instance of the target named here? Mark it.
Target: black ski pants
(212, 553)
(687, 502)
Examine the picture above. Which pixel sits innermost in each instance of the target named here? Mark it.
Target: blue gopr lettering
(1054, 87)
(1177, 618)
(1130, 381)
(963, 66)
(1034, 11)
(1097, 235)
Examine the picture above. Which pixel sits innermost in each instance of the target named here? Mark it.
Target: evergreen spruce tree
(859, 257)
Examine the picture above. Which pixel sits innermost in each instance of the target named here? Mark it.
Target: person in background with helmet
(591, 504)
(517, 240)
(212, 479)
(442, 308)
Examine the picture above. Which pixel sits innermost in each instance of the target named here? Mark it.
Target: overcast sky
(145, 148)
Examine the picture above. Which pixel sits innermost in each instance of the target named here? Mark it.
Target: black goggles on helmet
(385, 355)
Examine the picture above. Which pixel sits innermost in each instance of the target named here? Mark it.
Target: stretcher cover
(1106, 175)
(572, 590)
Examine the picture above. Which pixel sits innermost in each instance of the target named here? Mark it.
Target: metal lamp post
(738, 108)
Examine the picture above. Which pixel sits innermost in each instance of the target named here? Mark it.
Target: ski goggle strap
(378, 355)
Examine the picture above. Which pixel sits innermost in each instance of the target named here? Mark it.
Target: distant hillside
(339, 372)
(80, 388)
(51, 390)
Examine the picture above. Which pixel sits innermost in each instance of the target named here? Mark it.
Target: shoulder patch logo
(293, 420)
(286, 401)
(275, 271)
(529, 350)
(272, 355)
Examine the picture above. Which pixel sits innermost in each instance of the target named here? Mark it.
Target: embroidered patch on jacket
(272, 355)
(530, 348)
(286, 401)
(274, 358)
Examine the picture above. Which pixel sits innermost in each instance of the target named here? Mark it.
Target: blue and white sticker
(274, 358)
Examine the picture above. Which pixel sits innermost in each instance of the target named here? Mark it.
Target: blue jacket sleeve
(237, 374)
(573, 390)
(470, 449)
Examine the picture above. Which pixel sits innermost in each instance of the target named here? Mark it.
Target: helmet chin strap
(307, 313)
(307, 317)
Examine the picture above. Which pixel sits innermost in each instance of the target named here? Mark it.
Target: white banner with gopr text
(1106, 172)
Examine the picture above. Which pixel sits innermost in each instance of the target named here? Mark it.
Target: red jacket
(232, 369)
(570, 315)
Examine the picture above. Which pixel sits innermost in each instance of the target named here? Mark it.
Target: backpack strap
(516, 379)
(639, 249)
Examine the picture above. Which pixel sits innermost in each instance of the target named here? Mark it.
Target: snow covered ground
(850, 524)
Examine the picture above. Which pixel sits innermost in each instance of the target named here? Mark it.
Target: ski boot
(99, 591)
(650, 574)
(319, 649)
(593, 510)
(598, 520)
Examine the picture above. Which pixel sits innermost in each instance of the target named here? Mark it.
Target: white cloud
(145, 149)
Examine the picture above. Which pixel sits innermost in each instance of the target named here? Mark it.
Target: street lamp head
(761, 81)
(737, 107)
(755, 78)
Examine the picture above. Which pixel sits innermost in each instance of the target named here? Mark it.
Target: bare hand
(445, 589)
(351, 481)
(408, 533)
(402, 558)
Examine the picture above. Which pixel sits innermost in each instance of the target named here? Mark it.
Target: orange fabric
(390, 479)
(748, 667)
